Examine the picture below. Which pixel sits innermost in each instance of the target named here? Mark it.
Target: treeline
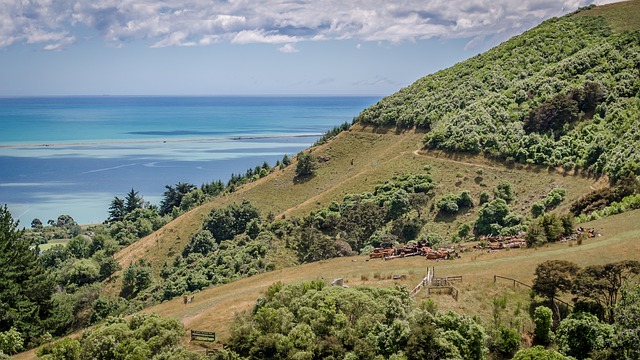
(603, 322)
(566, 93)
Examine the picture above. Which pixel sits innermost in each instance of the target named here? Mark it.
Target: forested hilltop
(566, 93)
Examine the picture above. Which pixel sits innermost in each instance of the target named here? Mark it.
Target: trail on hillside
(314, 198)
(419, 153)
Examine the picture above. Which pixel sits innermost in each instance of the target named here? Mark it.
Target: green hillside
(566, 93)
(524, 140)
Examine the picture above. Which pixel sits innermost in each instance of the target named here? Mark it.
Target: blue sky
(244, 47)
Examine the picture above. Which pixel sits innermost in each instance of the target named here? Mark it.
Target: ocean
(73, 155)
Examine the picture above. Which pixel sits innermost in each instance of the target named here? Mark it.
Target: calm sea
(72, 155)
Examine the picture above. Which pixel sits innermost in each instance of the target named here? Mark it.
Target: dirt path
(337, 185)
(420, 153)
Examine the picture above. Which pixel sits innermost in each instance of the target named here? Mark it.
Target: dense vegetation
(566, 93)
(313, 321)
(140, 337)
(603, 323)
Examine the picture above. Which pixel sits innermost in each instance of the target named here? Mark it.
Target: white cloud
(288, 49)
(56, 23)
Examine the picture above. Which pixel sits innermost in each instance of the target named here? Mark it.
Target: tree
(552, 115)
(228, 222)
(491, 217)
(36, 224)
(398, 204)
(135, 279)
(132, 201)
(79, 247)
(546, 228)
(306, 165)
(543, 319)
(554, 277)
(117, 210)
(201, 242)
(602, 283)
(172, 197)
(627, 318)
(581, 333)
(26, 287)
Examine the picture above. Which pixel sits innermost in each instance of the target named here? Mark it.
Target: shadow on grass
(302, 179)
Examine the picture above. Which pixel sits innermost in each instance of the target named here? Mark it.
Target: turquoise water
(72, 155)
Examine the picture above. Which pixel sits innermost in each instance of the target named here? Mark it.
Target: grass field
(52, 243)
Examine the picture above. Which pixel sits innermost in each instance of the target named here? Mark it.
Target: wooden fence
(496, 277)
(430, 282)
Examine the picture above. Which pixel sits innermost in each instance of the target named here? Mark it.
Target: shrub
(306, 165)
(491, 217)
(503, 191)
(484, 197)
(507, 342)
(538, 353)
(543, 319)
(581, 333)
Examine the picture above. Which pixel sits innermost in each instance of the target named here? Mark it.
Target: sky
(248, 47)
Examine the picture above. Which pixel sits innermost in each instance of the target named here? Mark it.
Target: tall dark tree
(554, 277)
(25, 288)
(36, 224)
(117, 210)
(173, 196)
(602, 283)
(133, 201)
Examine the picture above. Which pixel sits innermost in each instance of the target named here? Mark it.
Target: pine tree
(26, 287)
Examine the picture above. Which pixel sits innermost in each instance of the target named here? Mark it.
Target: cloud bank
(56, 24)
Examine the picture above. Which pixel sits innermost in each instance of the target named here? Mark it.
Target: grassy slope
(622, 16)
(376, 157)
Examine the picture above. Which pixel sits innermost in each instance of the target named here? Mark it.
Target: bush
(543, 319)
(450, 204)
(552, 200)
(538, 353)
(306, 165)
(484, 197)
(11, 341)
(491, 217)
(507, 342)
(581, 333)
(503, 191)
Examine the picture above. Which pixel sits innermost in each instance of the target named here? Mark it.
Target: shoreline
(163, 141)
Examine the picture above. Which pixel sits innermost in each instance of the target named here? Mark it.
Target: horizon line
(201, 95)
